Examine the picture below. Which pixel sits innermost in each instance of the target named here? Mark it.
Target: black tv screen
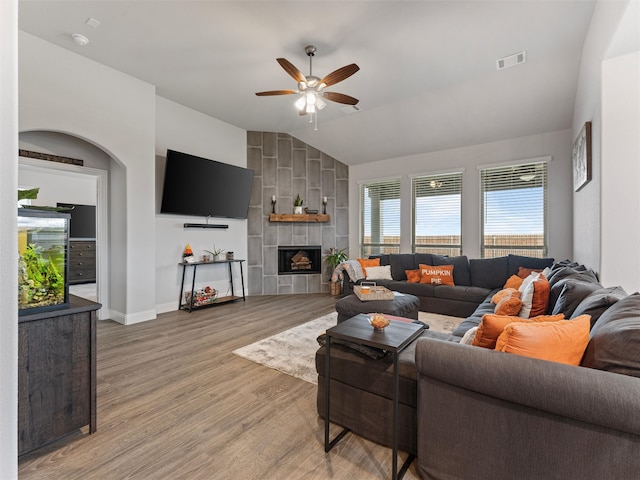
(201, 187)
(83, 220)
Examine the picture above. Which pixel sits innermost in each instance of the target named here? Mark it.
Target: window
(437, 207)
(380, 217)
(514, 210)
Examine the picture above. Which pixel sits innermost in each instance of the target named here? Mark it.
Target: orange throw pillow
(505, 293)
(525, 272)
(368, 262)
(535, 296)
(439, 275)
(563, 341)
(514, 281)
(493, 325)
(508, 306)
(413, 276)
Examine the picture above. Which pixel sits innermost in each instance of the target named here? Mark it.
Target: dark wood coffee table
(395, 338)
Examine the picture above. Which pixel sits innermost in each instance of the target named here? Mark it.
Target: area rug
(293, 351)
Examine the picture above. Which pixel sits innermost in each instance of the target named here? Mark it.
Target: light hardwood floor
(175, 403)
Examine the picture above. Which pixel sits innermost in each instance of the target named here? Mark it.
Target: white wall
(8, 239)
(57, 186)
(586, 203)
(185, 130)
(621, 172)
(554, 144)
(117, 113)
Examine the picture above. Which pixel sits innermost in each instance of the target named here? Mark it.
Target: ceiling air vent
(511, 60)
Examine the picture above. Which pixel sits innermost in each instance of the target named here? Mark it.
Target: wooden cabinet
(56, 373)
(82, 261)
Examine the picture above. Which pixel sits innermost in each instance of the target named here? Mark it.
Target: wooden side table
(395, 338)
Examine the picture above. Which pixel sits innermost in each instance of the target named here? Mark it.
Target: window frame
(369, 248)
(518, 167)
(450, 249)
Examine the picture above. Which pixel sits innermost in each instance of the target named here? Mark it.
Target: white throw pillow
(526, 294)
(469, 335)
(379, 273)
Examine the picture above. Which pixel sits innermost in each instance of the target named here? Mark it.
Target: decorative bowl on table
(378, 321)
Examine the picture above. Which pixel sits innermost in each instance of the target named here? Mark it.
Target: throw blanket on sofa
(353, 269)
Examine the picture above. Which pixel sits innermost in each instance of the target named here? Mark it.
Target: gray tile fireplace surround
(285, 167)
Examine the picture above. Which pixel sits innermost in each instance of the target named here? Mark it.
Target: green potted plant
(333, 259)
(216, 253)
(297, 205)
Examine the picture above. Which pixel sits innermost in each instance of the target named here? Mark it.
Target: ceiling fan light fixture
(312, 98)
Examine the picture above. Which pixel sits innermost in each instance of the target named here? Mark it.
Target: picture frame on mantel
(582, 158)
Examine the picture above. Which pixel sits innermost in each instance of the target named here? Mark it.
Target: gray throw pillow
(572, 293)
(615, 338)
(596, 303)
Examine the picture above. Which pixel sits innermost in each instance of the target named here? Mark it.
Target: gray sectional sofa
(474, 279)
(473, 413)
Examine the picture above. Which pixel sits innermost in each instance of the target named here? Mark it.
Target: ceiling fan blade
(340, 74)
(276, 92)
(291, 70)
(340, 98)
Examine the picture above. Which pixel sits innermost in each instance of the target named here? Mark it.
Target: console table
(220, 300)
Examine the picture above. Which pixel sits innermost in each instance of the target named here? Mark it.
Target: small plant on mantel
(297, 205)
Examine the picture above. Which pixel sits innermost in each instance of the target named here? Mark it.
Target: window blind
(380, 217)
(514, 210)
(437, 213)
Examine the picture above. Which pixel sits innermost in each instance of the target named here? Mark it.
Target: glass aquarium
(43, 246)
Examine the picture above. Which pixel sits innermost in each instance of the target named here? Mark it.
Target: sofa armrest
(592, 396)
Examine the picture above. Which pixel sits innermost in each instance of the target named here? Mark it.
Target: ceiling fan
(311, 88)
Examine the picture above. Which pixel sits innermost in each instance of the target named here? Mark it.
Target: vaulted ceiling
(427, 81)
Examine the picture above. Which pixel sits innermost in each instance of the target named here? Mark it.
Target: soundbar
(205, 225)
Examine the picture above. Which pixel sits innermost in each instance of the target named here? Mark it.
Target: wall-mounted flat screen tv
(201, 187)
(83, 220)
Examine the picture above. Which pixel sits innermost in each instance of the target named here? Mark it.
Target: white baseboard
(132, 318)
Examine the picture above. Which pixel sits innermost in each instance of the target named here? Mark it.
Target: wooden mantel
(299, 217)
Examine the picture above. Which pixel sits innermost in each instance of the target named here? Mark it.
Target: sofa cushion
(489, 272)
(562, 341)
(615, 338)
(437, 275)
(517, 261)
(572, 293)
(596, 303)
(476, 317)
(461, 272)
(425, 258)
(400, 262)
(461, 293)
(492, 326)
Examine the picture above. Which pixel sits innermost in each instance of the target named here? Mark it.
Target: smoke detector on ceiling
(79, 39)
(511, 60)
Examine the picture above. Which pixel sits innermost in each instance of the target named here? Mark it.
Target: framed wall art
(582, 158)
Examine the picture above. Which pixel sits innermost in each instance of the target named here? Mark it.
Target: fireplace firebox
(296, 259)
